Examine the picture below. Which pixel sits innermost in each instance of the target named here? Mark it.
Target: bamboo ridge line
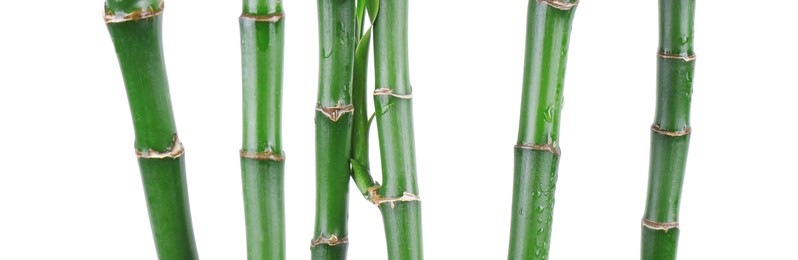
(332, 241)
(539, 147)
(376, 199)
(262, 156)
(559, 4)
(144, 13)
(335, 113)
(174, 152)
(389, 92)
(664, 226)
(658, 130)
(686, 58)
(270, 18)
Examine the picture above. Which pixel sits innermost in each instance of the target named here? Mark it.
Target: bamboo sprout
(333, 127)
(262, 26)
(398, 197)
(135, 28)
(360, 121)
(670, 133)
(537, 153)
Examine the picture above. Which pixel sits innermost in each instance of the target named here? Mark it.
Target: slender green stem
(337, 30)
(670, 136)
(135, 28)
(360, 121)
(262, 27)
(394, 119)
(537, 152)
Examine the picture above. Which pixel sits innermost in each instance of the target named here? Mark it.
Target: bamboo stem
(262, 26)
(537, 153)
(670, 133)
(337, 29)
(394, 117)
(135, 28)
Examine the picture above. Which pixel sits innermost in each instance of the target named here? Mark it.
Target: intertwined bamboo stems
(135, 28)
(537, 152)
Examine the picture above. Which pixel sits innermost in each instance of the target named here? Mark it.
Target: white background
(70, 186)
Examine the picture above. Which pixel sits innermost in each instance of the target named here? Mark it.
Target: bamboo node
(559, 4)
(539, 147)
(389, 92)
(664, 226)
(658, 130)
(143, 13)
(335, 113)
(269, 18)
(262, 156)
(174, 151)
(686, 58)
(376, 199)
(333, 240)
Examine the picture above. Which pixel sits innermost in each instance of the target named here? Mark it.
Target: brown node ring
(559, 4)
(539, 147)
(658, 130)
(333, 240)
(269, 18)
(143, 13)
(335, 113)
(664, 226)
(174, 151)
(686, 58)
(262, 156)
(376, 199)
(389, 92)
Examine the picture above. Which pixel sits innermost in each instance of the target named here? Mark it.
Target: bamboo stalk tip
(335, 113)
(111, 16)
(559, 4)
(664, 226)
(174, 151)
(333, 240)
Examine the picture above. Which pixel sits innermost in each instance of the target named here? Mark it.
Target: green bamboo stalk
(398, 197)
(337, 28)
(670, 135)
(262, 27)
(537, 153)
(135, 28)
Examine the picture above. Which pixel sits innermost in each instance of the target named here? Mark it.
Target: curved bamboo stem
(337, 29)
(670, 133)
(537, 152)
(135, 28)
(262, 26)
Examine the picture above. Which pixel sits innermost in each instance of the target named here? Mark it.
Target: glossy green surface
(337, 28)
(533, 202)
(129, 6)
(140, 54)
(262, 75)
(535, 176)
(264, 208)
(394, 118)
(669, 153)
